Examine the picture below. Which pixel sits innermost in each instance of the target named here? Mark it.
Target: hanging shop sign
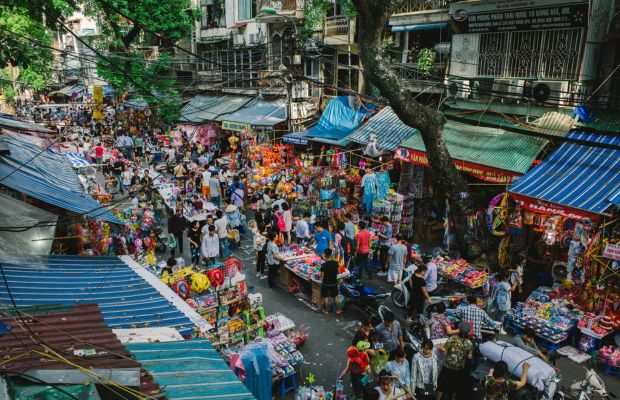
(545, 207)
(612, 250)
(235, 126)
(482, 172)
(295, 140)
(517, 15)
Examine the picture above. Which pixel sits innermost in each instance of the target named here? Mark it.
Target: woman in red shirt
(363, 249)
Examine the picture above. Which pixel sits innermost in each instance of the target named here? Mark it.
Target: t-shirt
(221, 225)
(363, 241)
(498, 390)
(390, 395)
(301, 230)
(322, 240)
(194, 235)
(206, 176)
(349, 230)
(398, 253)
(330, 272)
(272, 252)
(416, 284)
(214, 187)
(390, 339)
(98, 151)
(457, 351)
(431, 276)
(502, 296)
(388, 236)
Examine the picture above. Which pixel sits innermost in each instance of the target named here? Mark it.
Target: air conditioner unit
(300, 90)
(551, 92)
(457, 88)
(238, 40)
(508, 89)
(481, 89)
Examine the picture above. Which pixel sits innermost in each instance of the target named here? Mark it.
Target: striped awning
(490, 154)
(387, 127)
(576, 181)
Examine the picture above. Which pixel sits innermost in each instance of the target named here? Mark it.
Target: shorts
(329, 290)
(451, 380)
(395, 275)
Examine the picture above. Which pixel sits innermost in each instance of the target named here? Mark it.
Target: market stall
(302, 263)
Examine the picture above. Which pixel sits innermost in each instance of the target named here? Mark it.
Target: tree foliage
(316, 11)
(20, 29)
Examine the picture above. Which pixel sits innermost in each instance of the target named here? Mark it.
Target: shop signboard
(612, 250)
(544, 207)
(482, 172)
(235, 126)
(517, 15)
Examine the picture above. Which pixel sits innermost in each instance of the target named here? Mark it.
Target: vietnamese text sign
(612, 251)
(518, 15)
(235, 126)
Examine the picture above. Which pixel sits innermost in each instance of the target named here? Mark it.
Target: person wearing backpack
(502, 298)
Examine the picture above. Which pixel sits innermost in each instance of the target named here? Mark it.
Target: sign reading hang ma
(518, 15)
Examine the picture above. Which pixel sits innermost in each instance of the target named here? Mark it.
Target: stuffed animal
(371, 149)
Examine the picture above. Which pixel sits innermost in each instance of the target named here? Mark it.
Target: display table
(306, 266)
(461, 272)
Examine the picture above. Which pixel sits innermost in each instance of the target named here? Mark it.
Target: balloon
(181, 288)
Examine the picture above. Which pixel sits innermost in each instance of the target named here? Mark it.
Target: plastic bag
(379, 361)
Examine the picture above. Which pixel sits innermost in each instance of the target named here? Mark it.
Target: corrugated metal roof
(489, 119)
(126, 299)
(242, 109)
(203, 108)
(23, 126)
(261, 113)
(82, 328)
(47, 165)
(577, 176)
(190, 369)
(81, 203)
(388, 128)
(491, 147)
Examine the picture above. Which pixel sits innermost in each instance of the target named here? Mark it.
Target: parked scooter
(400, 293)
(363, 297)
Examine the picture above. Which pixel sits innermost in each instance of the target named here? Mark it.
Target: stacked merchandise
(406, 222)
(552, 320)
(391, 207)
(610, 355)
(460, 271)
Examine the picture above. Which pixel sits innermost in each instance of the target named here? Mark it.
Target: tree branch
(130, 36)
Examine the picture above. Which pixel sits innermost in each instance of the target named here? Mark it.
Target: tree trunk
(372, 15)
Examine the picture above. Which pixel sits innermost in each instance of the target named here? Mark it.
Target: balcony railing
(411, 73)
(423, 5)
(281, 5)
(338, 25)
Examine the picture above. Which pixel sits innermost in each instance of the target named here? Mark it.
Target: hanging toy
(216, 277)
(181, 288)
(200, 282)
(192, 304)
(371, 149)
(497, 214)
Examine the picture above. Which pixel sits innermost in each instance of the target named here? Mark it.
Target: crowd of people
(134, 151)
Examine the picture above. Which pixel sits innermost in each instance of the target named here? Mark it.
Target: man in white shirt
(302, 230)
(221, 225)
(206, 176)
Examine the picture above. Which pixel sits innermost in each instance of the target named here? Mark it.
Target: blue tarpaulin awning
(49, 177)
(337, 122)
(575, 180)
(420, 27)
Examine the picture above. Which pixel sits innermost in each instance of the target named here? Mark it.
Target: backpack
(281, 224)
(347, 244)
(502, 299)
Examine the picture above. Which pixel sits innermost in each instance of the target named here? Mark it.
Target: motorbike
(590, 388)
(400, 293)
(363, 297)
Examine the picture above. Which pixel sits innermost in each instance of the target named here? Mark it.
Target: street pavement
(331, 335)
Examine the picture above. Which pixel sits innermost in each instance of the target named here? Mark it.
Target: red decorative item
(181, 287)
(192, 304)
(216, 277)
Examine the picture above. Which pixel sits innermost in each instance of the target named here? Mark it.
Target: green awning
(490, 154)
